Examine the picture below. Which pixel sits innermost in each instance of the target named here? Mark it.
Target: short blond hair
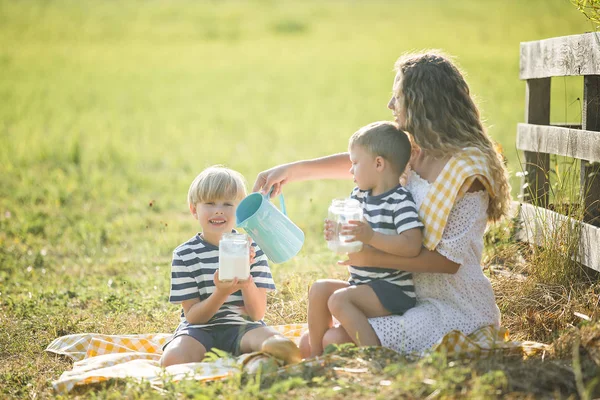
(384, 139)
(217, 183)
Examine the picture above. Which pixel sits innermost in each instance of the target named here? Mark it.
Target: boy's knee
(253, 339)
(318, 290)
(336, 302)
(171, 358)
(335, 336)
(179, 355)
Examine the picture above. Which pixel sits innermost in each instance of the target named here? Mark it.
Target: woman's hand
(329, 229)
(275, 177)
(230, 287)
(360, 230)
(360, 258)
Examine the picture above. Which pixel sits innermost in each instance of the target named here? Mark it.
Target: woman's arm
(335, 166)
(405, 244)
(426, 261)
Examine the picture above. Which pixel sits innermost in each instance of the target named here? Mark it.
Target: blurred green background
(110, 109)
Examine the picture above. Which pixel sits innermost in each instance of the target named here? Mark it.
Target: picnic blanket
(99, 357)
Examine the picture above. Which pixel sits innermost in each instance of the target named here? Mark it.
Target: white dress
(462, 301)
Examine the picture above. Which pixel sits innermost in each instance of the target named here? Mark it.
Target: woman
(458, 182)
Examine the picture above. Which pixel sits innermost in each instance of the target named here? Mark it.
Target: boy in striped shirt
(379, 153)
(223, 314)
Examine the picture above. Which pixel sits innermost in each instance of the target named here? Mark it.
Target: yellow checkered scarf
(451, 184)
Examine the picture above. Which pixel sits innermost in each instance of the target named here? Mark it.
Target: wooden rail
(541, 225)
(541, 60)
(561, 56)
(575, 143)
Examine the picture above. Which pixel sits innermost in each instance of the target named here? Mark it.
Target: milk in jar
(340, 212)
(234, 257)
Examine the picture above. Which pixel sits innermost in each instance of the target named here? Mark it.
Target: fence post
(590, 172)
(537, 165)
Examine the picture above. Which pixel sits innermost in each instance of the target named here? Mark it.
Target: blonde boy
(215, 313)
(379, 153)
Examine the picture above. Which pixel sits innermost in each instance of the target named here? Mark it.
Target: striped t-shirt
(194, 264)
(389, 213)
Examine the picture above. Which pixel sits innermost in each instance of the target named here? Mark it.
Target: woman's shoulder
(416, 185)
(473, 203)
(476, 186)
(413, 178)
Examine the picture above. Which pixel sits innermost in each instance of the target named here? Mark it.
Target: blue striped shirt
(192, 269)
(390, 213)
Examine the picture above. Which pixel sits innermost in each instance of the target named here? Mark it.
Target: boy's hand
(329, 229)
(230, 287)
(252, 252)
(360, 230)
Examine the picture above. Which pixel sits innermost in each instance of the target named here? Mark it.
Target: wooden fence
(540, 61)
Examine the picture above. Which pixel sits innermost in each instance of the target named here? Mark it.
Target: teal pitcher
(278, 237)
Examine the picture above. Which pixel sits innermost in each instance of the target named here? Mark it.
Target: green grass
(109, 110)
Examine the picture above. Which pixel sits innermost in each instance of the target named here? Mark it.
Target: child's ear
(193, 209)
(379, 163)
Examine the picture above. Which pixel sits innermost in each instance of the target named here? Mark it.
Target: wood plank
(540, 226)
(561, 56)
(535, 187)
(590, 192)
(567, 142)
(566, 125)
(590, 172)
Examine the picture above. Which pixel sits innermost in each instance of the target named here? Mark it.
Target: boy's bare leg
(319, 317)
(304, 345)
(353, 306)
(183, 349)
(334, 335)
(253, 340)
(270, 341)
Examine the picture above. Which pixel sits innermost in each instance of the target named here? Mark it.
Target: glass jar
(340, 212)
(234, 257)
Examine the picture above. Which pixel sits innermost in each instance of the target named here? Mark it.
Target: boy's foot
(283, 349)
(259, 360)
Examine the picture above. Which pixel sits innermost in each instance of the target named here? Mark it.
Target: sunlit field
(109, 110)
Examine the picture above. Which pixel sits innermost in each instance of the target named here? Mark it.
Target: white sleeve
(459, 233)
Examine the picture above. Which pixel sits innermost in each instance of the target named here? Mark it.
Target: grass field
(110, 109)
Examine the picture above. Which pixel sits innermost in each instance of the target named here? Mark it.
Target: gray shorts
(222, 337)
(392, 297)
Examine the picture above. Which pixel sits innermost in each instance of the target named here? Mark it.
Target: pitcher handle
(281, 200)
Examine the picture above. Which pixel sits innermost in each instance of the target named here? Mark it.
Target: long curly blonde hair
(443, 119)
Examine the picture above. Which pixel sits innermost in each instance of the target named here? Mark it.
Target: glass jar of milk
(234, 257)
(340, 212)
